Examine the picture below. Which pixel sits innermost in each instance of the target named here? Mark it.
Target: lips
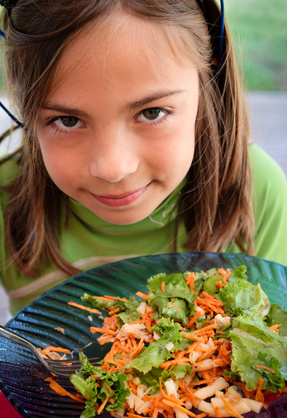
(120, 200)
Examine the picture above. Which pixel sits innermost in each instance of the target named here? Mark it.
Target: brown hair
(215, 204)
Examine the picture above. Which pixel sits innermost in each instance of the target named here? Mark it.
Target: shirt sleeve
(270, 206)
(8, 172)
(1, 239)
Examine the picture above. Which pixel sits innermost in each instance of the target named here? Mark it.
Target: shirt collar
(165, 213)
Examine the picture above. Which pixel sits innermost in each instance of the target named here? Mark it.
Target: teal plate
(22, 378)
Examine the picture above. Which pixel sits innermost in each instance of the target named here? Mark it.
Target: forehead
(129, 39)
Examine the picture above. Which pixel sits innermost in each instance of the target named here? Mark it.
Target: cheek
(177, 151)
(60, 164)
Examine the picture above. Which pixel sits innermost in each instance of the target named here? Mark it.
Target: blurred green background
(259, 29)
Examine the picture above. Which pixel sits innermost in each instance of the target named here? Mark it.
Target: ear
(215, 61)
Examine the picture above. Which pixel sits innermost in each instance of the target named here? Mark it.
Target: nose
(114, 156)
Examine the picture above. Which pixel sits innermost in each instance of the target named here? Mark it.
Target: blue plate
(22, 378)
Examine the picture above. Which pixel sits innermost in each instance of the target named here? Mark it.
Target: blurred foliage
(259, 29)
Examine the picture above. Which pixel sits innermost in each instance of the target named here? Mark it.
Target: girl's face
(117, 130)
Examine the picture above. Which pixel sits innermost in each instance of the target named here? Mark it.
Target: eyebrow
(151, 98)
(130, 106)
(66, 110)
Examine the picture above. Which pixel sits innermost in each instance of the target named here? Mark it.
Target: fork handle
(10, 335)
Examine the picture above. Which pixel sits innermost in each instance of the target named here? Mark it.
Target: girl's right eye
(66, 123)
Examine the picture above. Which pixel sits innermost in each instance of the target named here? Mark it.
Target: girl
(135, 141)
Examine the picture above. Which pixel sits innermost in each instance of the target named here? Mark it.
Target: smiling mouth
(121, 200)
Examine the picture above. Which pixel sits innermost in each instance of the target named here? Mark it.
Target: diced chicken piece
(169, 346)
(134, 401)
(210, 390)
(232, 390)
(222, 321)
(135, 329)
(254, 405)
(141, 309)
(201, 311)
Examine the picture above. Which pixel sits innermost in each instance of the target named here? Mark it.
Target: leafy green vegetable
(166, 325)
(241, 297)
(237, 273)
(253, 345)
(151, 378)
(204, 279)
(277, 316)
(156, 352)
(85, 384)
(128, 309)
(175, 301)
(257, 352)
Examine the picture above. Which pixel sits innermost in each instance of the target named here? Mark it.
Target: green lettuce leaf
(237, 273)
(277, 315)
(128, 309)
(176, 301)
(206, 280)
(241, 297)
(253, 344)
(151, 378)
(156, 353)
(86, 385)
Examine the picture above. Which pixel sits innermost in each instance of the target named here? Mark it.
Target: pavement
(269, 126)
(269, 123)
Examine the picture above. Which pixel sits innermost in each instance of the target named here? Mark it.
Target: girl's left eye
(152, 114)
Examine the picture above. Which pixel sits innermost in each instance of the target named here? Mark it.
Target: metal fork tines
(57, 367)
(67, 367)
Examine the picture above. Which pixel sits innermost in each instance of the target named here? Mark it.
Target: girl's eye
(66, 123)
(152, 114)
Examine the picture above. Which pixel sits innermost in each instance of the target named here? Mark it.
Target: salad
(197, 344)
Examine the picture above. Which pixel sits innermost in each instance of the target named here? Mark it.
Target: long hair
(215, 204)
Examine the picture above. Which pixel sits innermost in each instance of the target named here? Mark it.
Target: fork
(63, 367)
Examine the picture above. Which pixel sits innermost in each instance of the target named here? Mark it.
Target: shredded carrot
(85, 308)
(207, 353)
(266, 368)
(259, 395)
(230, 408)
(108, 298)
(102, 330)
(103, 340)
(142, 295)
(155, 413)
(193, 337)
(61, 391)
(181, 408)
(192, 319)
(57, 349)
(275, 328)
(225, 275)
(115, 298)
(100, 409)
(113, 311)
(190, 280)
(202, 353)
(219, 284)
(60, 329)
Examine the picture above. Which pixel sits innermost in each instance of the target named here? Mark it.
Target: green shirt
(89, 241)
